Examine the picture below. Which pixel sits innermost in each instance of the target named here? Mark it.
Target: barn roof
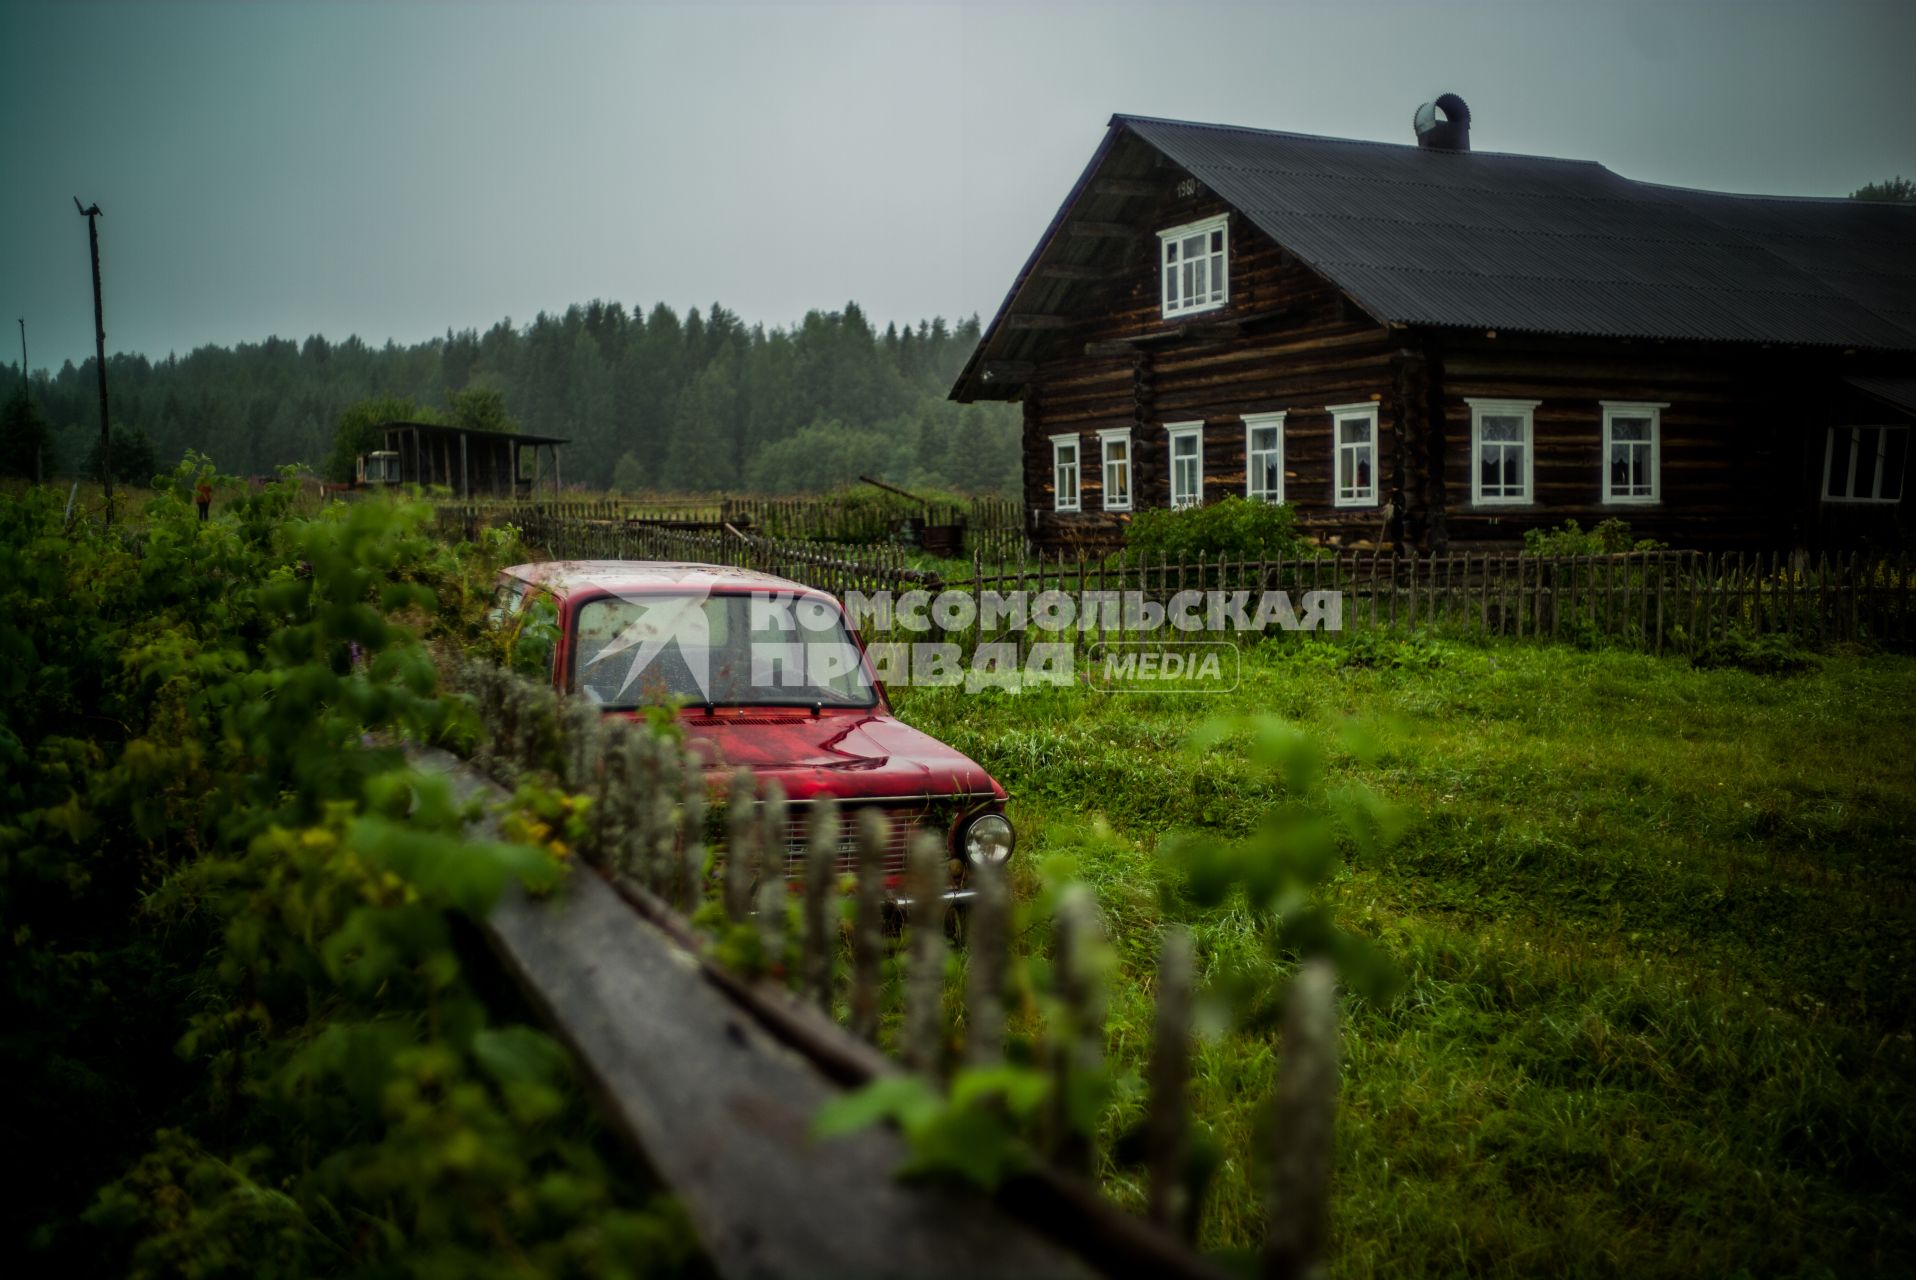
(1485, 240)
(443, 430)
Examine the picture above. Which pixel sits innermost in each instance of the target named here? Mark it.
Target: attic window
(1194, 257)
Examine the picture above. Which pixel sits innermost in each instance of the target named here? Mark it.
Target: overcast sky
(395, 170)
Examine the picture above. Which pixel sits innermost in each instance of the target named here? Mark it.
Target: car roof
(568, 577)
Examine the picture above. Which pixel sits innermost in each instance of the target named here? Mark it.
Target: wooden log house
(1424, 345)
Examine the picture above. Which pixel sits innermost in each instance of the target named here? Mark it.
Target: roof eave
(963, 389)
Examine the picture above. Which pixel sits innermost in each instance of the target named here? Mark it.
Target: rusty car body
(768, 674)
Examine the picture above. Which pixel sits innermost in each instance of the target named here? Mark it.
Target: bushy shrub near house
(1234, 527)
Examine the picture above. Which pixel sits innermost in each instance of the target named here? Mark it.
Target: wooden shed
(473, 462)
(1427, 345)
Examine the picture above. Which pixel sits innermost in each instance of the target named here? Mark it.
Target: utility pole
(92, 215)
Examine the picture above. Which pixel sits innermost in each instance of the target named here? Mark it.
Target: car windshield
(758, 649)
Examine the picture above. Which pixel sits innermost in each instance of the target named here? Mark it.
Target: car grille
(906, 819)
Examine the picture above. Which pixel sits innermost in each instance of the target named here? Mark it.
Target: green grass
(1655, 927)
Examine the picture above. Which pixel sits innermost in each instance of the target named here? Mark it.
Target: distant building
(473, 462)
(1437, 347)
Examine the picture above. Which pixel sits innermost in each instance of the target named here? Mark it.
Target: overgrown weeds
(1655, 924)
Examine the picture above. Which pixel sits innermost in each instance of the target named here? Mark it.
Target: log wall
(1302, 348)
(1740, 443)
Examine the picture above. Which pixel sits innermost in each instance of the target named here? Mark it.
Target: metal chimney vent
(1448, 131)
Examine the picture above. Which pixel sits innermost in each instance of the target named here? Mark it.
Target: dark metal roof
(1486, 240)
(454, 429)
(1900, 392)
(1480, 239)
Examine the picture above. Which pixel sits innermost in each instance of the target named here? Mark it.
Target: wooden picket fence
(652, 834)
(824, 519)
(986, 524)
(1656, 601)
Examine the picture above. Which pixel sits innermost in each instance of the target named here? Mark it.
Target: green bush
(1381, 650)
(1611, 537)
(1233, 527)
(1770, 655)
(240, 1024)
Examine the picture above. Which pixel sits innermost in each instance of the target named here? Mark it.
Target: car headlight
(988, 839)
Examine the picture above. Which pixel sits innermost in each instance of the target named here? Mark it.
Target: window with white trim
(1632, 442)
(1064, 473)
(1195, 258)
(1354, 446)
(1187, 462)
(1501, 461)
(1114, 447)
(1264, 457)
(1865, 464)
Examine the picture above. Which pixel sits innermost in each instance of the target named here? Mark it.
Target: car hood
(860, 754)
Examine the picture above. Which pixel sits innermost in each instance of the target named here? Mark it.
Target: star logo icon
(660, 622)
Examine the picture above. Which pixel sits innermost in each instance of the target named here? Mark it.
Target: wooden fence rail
(989, 524)
(1657, 601)
(720, 1108)
(668, 850)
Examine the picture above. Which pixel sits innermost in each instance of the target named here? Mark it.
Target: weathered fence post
(741, 847)
(925, 984)
(774, 835)
(821, 866)
(1171, 1200)
(1078, 1045)
(868, 924)
(987, 940)
(1303, 1112)
(691, 844)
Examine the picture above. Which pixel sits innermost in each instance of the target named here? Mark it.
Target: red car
(766, 673)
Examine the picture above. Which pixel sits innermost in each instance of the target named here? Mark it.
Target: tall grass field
(1653, 927)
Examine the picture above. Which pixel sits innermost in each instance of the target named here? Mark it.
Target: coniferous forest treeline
(649, 401)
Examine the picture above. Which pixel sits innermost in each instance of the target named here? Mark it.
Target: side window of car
(535, 636)
(507, 599)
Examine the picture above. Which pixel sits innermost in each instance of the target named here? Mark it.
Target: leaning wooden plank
(1061, 1216)
(723, 1111)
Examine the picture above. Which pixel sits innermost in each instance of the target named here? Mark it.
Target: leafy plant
(1764, 655)
(1279, 868)
(1382, 649)
(972, 1132)
(227, 901)
(1609, 537)
(1233, 527)
(990, 1121)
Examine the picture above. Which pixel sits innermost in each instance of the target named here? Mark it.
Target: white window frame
(1481, 409)
(1174, 432)
(1106, 438)
(1218, 261)
(1366, 410)
(1614, 409)
(1059, 444)
(1253, 423)
(1849, 481)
